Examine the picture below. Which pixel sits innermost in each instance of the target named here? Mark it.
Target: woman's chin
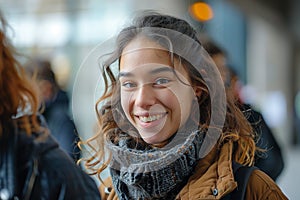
(151, 140)
(155, 141)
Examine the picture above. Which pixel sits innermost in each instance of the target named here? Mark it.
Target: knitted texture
(162, 175)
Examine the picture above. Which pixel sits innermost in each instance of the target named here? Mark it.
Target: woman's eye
(128, 84)
(161, 81)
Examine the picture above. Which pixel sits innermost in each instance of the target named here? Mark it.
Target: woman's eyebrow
(162, 69)
(154, 71)
(125, 74)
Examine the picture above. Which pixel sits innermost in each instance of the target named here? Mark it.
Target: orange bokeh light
(201, 11)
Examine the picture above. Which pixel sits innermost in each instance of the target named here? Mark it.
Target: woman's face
(156, 101)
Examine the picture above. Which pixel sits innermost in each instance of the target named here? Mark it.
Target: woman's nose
(145, 96)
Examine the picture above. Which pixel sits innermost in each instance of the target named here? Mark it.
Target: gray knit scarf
(154, 173)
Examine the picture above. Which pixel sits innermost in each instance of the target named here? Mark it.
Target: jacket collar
(213, 177)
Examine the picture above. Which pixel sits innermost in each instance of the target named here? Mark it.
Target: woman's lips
(151, 118)
(148, 121)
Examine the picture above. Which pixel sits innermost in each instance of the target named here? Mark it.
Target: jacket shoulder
(261, 186)
(70, 180)
(53, 173)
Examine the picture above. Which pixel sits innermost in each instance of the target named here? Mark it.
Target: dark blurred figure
(32, 166)
(270, 161)
(56, 106)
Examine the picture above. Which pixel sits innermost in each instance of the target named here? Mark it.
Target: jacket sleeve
(271, 161)
(262, 187)
(107, 191)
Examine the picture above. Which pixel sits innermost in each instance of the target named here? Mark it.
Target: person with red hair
(32, 164)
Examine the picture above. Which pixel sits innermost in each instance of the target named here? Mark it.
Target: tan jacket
(213, 179)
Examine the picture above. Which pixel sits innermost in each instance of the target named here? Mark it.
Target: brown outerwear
(214, 179)
(212, 176)
(264, 186)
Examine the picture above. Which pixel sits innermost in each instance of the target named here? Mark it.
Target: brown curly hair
(236, 128)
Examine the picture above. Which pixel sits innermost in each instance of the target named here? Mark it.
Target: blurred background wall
(261, 37)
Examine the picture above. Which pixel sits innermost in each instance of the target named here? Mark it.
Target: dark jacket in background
(61, 125)
(271, 161)
(39, 169)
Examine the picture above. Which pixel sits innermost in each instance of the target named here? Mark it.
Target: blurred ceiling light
(201, 11)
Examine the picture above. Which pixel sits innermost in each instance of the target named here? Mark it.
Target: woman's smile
(151, 121)
(151, 118)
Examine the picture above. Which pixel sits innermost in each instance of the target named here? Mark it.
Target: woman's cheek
(126, 103)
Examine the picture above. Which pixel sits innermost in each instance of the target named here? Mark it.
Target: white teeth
(151, 118)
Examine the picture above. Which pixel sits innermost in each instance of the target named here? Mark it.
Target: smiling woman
(166, 123)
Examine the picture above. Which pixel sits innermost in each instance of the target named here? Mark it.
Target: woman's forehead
(141, 51)
(142, 42)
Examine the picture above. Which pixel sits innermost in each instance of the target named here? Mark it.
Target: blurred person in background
(55, 106)
(271, 160)
(32, 166)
